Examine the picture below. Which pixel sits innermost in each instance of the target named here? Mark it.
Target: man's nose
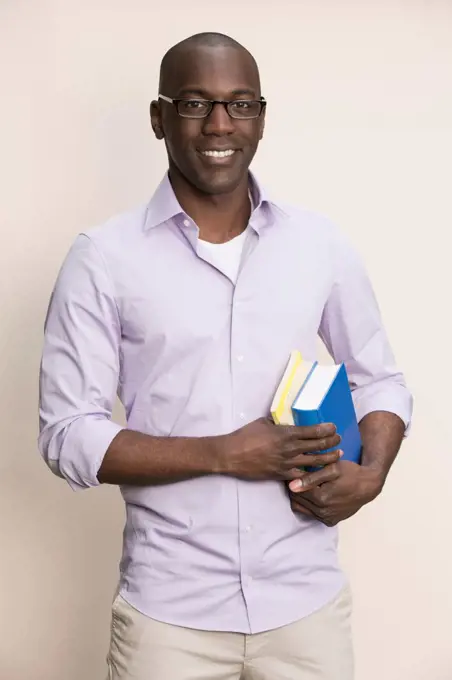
(218, 122)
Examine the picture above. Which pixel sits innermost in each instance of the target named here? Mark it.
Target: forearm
(142, 460)
(382, 434)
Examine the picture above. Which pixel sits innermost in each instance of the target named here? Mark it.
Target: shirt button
(186, 223)
(248, 528)
(240, 357)
(242, 416)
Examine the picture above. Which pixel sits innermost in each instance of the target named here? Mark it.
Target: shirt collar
(164, 205)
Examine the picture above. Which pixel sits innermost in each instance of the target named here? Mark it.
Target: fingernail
(341, 453)
(297, 485)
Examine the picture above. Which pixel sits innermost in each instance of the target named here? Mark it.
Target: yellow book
(296, 372)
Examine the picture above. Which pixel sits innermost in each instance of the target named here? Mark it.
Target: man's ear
(262, 125)
(156, 120)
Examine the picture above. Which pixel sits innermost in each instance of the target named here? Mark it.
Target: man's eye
(194, 104)
(242, 105)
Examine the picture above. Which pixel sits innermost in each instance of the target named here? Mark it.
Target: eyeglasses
(243, 109)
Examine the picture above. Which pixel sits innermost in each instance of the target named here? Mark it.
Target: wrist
(220, 455)
(375, 478)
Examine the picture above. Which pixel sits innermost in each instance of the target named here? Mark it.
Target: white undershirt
(225, 256)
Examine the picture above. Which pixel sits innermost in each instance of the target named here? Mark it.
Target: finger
(311, 445)
(302, 502)
(318, 460)
(314, 499)
(323, 516)
(293, 474)
(310, 480)
(296, 474)
(298, 507)
(308, 432)
(317, 500)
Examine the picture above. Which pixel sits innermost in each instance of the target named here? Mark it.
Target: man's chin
(219, 182)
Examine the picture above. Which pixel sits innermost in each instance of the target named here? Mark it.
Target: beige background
(359, 127)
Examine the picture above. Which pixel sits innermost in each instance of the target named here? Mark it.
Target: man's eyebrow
(198, 92)
(244, 91)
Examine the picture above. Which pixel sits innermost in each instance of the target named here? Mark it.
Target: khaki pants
(318, 647)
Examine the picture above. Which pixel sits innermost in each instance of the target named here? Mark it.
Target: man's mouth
(218, 154)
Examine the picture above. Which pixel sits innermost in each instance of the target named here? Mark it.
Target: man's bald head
(172, 60)
(209, 68)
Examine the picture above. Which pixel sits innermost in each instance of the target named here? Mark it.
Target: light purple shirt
(136, 311)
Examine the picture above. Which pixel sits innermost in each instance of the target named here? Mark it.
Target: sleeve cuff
(80, 463)
(401, 406)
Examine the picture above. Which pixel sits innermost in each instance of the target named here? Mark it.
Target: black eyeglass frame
(226, 103)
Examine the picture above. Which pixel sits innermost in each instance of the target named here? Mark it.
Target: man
(189, 307)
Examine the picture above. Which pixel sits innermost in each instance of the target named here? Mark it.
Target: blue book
(325, 397)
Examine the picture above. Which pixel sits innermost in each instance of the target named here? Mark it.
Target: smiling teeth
(219, 154)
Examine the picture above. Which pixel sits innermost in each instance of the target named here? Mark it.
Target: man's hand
(262, 450)
(331, 502)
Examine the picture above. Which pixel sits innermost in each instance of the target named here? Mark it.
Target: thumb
(296, 485)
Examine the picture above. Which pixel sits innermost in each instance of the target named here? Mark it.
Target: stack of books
(311, 393)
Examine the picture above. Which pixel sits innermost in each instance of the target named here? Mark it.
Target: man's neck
(219, 217)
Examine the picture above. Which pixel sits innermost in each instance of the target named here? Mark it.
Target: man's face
(220, 73)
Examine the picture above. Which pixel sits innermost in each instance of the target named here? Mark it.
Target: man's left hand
(337, 500)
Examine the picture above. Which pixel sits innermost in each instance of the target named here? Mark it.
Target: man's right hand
(262, 450)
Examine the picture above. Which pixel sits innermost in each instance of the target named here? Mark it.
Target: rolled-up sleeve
(79, 368)
(353, 332)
